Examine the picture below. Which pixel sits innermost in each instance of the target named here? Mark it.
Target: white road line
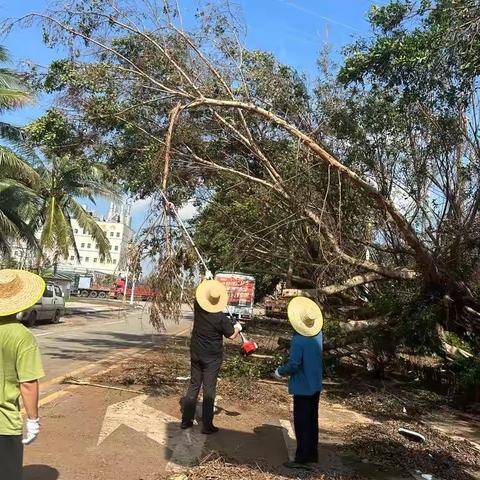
(76, 328)
(289, 437)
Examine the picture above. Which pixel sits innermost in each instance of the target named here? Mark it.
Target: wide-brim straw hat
(212, 296)
(305, 316)
(19, 290)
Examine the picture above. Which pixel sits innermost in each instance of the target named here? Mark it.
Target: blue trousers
(305, 419)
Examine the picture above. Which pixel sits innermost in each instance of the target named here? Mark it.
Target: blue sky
(294, 30)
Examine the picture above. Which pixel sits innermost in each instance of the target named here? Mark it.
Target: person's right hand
(237, 327)
(32, 430)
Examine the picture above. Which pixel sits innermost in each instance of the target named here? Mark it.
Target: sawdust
(439, 455)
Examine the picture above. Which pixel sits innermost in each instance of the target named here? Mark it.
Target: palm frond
(47, 239)
(13, 98)
(4, 55)
(62, 232)
(89, 224)
(14, 167)
(15, 200)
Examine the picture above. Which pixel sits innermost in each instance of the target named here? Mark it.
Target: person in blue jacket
(305, 368)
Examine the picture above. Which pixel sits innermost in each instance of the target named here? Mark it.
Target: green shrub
(467, 371)
(238, 366)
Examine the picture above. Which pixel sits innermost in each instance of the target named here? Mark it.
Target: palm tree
(63, 181)
(18, 180)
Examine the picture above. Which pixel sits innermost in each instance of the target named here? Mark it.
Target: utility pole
(125, 286)
(132, 292)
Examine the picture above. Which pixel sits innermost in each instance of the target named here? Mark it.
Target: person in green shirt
(20, 369)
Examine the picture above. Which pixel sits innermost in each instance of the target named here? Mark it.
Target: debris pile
(215, 467)
(156, 371)
(386, 401)
(383, 444)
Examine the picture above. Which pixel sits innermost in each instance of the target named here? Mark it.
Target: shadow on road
(40, 472)
(263, 450)
(100, 343)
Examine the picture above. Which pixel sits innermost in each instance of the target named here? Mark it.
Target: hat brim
(295, 310)
(31, 292)
(201, 296)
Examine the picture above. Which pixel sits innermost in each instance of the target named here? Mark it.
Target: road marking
(77, 328)
(289, 438)
(127, 353)
(160, 427)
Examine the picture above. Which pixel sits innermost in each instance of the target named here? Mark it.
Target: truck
(140, 292)
(241, 293)
(87, 287)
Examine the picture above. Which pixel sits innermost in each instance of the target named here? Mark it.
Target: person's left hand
(33, 429)
(276, 375)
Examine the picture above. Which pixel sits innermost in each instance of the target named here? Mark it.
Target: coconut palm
(63, 182)
(18, 180)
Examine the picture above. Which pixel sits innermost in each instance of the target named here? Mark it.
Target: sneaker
(209, 430)
(186, 425)
(298, 466)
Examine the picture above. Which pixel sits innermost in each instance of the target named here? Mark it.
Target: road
(100, 331)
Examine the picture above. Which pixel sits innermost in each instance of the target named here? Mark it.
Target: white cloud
(188, 211)
(140, 206)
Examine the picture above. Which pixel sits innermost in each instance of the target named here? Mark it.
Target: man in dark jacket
(305, 370)
(210, 326)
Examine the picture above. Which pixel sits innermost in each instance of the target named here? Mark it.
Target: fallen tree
(372, 184)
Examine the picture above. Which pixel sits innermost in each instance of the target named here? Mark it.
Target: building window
(102, 261)
(95, 260)
(89, 245)
(83, 231)
(116, 248)
(82, 245)
(72, 257)
(111, 234)
(76, 230)
(87, 259)
(114, 260)
(118, 234)
(81, 259)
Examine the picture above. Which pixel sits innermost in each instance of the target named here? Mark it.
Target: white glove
(33, 429)
(276, 375)
(237, 327)
(208, 275)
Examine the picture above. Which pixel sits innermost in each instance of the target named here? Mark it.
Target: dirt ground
(124, 423)
(359, 421)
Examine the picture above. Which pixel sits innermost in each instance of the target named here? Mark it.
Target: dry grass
(380, 443)
(215, 467)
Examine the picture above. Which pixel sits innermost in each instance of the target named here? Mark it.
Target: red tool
(248, 346)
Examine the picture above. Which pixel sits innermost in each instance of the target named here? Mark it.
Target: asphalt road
(99, 331)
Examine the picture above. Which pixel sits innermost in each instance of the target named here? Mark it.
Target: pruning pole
(172, 207)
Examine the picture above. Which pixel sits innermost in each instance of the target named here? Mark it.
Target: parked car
(50, 307)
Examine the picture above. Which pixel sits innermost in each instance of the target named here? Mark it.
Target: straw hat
(19, 290)
(305, 316)
(212, 296)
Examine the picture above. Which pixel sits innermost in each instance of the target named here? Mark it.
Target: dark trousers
(305, 419)
(11, 457)
(204, 372)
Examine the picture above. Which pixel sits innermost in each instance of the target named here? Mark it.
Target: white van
(50, 307)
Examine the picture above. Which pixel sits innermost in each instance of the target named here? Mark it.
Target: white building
(119, 233)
